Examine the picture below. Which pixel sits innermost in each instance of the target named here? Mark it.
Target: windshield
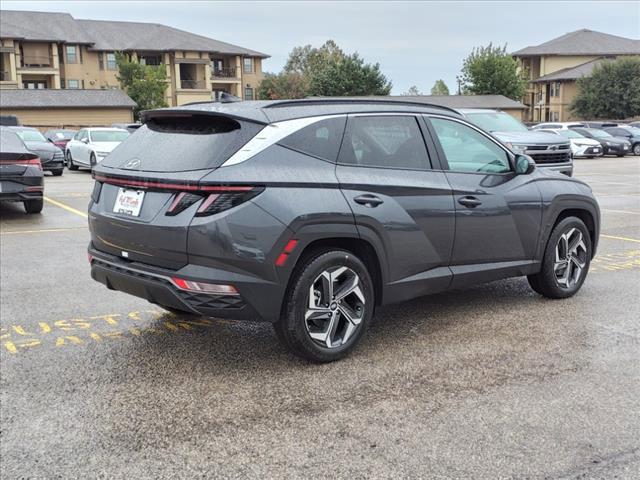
(496, 122)
(31, 136)
(109, 135)
(598, 133)
(570, 134)
(63, 134)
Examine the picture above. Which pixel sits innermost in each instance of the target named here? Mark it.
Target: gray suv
(546, 149)
(310, 213)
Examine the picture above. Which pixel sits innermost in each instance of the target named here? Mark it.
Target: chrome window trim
(272, 134)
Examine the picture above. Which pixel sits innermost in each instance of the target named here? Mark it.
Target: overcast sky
(415, 43)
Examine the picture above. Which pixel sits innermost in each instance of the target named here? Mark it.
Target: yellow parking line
(626, 239)
(66, 207)
(42, 230)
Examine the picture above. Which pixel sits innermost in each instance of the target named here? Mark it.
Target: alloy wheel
(571, 258)
(335, 308)
(636, 149)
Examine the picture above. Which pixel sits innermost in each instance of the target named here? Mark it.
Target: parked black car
(631, 134)
(21, 177)
(610, 145)
(310, 213)
(52, 157)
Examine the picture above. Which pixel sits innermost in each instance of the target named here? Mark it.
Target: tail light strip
(158, 185)
(26, 162)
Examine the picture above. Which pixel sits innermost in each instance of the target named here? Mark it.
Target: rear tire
(57, 173)
(70, 164)
(329, 325)
(33, 206)
(92, 160)
(566, 260)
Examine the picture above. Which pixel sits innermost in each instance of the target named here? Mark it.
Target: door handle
(469, 202)
(368, 200)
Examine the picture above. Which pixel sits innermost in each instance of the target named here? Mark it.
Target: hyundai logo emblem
(132, 164)
(552, 147)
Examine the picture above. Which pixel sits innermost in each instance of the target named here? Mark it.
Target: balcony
(225, 72)
(192, 84)
(37, 61)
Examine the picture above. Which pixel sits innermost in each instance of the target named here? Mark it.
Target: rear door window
(384, 141)
(321, 139)
(183, 143)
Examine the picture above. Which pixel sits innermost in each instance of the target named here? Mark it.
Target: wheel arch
(588, 216)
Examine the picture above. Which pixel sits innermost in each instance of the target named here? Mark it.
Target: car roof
(20, 128)
(479, 110)
(270, 111)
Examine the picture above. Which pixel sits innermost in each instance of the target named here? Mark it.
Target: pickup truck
(547, 150)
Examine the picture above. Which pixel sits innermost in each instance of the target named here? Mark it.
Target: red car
(60, 137)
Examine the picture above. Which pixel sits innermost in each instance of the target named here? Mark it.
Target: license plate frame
(128, 202)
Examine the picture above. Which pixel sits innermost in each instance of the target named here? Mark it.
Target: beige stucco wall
(514, 112)
(70, 117)
(550, 64)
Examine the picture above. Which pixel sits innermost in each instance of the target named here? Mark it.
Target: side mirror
(524, 164)
(49, 140)
(85, 140)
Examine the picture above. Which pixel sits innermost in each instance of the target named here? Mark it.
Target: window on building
(554, 116)
(321, 139)
(248, 65)
(111, 61)
(73, 84)
(34, 85)
(72, 54)
(384, 141)
(154, 60)
(248, 93)
(467, 150)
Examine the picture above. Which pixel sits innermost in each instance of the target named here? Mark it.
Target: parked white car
(581, 146)
(90, 146)
(558, 125)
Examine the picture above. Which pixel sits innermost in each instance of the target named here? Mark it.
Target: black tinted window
(321, 139)
(385, 141)
(180, 144)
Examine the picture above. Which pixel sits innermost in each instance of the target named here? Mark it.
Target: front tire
(70, 164)
(328, 306)
(636, 149)
(33, 206)
(92, 160)
(566, 260)
(57, 173)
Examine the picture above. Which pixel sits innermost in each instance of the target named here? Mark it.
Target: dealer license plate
(128, 202)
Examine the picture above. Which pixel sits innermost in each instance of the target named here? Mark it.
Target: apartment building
(554, 67)
(42, 50)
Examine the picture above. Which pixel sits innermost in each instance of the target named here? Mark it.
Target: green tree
(492, 71)
(324, 71)
(611, 92)
(412, 92)
(282, 85)
(439, 88)
(145, 84)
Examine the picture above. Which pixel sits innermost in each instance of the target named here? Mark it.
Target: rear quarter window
(178, 144)
(321, 139)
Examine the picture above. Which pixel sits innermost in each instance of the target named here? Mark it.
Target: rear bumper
(155, 285)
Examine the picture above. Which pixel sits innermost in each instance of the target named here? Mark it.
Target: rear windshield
(109, 135)
(31, 136)
(185, 143)
(61, 134)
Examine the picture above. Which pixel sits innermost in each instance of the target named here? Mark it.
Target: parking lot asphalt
(488, 382)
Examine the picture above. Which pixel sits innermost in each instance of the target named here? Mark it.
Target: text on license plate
(128, 202)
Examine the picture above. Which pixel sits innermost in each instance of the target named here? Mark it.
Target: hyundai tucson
(311, 213)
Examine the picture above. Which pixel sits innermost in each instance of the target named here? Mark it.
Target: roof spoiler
(177, 112)
(355, 101)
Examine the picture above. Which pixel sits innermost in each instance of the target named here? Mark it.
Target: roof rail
(347, 100)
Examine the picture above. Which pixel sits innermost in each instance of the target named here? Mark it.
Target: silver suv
(546, 149)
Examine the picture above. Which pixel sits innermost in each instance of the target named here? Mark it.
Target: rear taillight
(181, 201)
(33, 162)
(224, 200)
(95, 194)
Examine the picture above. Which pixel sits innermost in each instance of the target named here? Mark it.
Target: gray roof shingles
(584, 42)
(110, 35)
(572, 73)
(24, 98)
